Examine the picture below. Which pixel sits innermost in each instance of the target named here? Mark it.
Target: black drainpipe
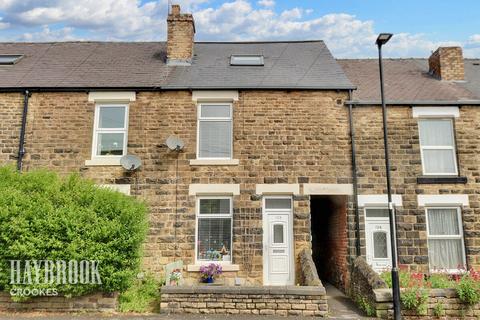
(21, 144)
(354, 177)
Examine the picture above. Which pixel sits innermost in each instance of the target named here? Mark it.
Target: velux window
(6, 59)
(445, 239)
(214, 229)
(437, 145)
(246, 60)
(110, 132)
(214, 131)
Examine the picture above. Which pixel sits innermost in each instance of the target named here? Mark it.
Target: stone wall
(283, 301)
(364, 281)
(406, 167)
(309, 270)
(278, 137)
(452, 307)
(96, 302)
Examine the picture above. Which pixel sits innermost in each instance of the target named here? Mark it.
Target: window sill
(441, 180)
(214, 162)
(103, 162)
(226, 266)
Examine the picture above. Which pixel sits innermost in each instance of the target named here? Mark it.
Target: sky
(348, 27)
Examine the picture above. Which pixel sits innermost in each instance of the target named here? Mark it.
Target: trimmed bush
(45, 217)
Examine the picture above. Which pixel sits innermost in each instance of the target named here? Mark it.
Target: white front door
(378, 244)
(278, 241)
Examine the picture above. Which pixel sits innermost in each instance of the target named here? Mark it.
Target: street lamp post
(381, 40)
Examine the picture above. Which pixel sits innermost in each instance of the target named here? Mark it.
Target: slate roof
(288, 65)
(406, 80)
(472, 75)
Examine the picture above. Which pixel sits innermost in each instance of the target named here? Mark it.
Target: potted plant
(210, 271)
(175, 277)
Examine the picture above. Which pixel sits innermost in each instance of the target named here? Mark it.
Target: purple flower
(211, 270)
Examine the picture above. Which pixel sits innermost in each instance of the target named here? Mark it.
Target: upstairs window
(110, 132)
(437, 145)
(214, 131)
(445, 239)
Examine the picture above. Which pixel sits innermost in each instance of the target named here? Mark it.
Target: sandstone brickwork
(406, 166)
(96, 302)
(447, 63)
(278, 137)
(180, 35)
(281, 301)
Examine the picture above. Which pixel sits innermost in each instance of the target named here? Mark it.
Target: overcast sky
(349, 27)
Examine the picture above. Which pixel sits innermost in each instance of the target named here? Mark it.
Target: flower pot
(208, 280)
(226, 257)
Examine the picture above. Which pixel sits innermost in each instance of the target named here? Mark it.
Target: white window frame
(453, 147)
(97, 130)
(370, 207)
(446, 237)
(213, 216)
(213, 119)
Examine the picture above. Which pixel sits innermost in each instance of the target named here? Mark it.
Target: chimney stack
(180, 37)
(447, 64)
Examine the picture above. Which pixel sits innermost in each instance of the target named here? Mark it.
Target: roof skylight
(246, 60)
(9, 58)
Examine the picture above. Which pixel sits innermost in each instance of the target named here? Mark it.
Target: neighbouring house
(268, 167)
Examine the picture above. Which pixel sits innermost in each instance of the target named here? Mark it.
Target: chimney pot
(175, 10)
(180, 37)
(446, 63)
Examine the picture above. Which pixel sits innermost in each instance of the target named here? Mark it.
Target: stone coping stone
(448, 293)
(385, 295)
(291, 290)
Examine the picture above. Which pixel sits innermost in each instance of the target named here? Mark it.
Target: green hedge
(46, 217)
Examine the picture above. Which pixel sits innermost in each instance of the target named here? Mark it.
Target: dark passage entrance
(329, 238)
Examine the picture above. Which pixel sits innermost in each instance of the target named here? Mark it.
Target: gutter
(408, 103)
(21, 144)
(354, 176)
(166, 88)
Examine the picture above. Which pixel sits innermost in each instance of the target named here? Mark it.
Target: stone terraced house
(268, 167)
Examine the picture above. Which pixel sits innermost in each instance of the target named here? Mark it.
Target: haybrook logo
(45, 272)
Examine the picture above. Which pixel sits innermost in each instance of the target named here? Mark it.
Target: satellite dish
(174, 143)
(130, 162)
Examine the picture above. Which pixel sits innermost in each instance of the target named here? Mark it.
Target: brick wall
(282, 301)
(11, 106)
(89, 303)
(180, 35)
(279, 137)
(406, 167)
(451, 306)
(447, 63)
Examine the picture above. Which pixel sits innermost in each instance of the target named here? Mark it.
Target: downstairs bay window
(446, 250)
(214, 229)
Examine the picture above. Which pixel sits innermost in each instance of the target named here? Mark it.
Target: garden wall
(364, 280)
(278, 300)
(451, 306)
(96, 302)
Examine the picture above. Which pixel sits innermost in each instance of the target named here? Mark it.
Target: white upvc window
(446, 249)
(214, 131)
(437, 146)
(110, 133)
(214, 229)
